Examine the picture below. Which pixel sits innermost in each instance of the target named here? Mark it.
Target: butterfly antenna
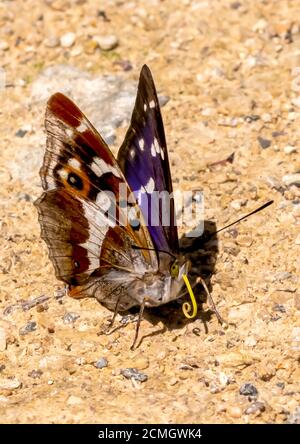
(262, 207)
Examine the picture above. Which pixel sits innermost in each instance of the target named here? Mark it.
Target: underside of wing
(84, 222)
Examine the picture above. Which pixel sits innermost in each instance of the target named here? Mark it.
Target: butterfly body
(96, 212)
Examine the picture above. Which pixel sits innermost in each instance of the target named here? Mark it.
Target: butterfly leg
(138, 323)
(112, 321)
(211, 301)
(107, 330)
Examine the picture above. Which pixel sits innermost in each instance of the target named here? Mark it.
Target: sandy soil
(229, 71)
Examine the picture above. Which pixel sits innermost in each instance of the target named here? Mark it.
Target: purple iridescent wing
(143, 158)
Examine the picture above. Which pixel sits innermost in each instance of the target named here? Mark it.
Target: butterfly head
(165, 285)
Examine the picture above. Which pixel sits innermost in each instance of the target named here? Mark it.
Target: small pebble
(291, 179)
(279, 307)
(126, 65)
(67, 40)
(234, 412)
(173, 381)
(255, 407)
(264, 143)
(20, 133)
(35, 374)
(133, 373)
(10, 384)
(289, 149)
(4, 45)
(250, 341)
(297, 240)
(51, 42)
(237, 204)
(248, 389)
(278, 133)
(107, 42)
(260, 25)
(70, 317)
(101, 363)
(272, 182)
(252, 118)
(28, 328)
(2, 367)
(266, 117)
(235, 5)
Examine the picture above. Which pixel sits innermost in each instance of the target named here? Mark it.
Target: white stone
(107, 42)
(67, 40)
(289, 149)
(250, 341)
(260, 25)
(266, 117)
(9, 384)
(4, 45)
(291, 179)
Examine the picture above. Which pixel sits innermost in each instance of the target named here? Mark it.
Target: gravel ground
(231, 73)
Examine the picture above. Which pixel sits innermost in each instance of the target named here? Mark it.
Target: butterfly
(96, 212)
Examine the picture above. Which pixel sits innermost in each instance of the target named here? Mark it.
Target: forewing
(143, 158)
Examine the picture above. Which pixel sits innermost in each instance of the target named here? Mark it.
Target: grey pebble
(291, 179)
(255, 407)
(264, 143)
(35, 374)
(272, 182)
(133, 373)
(21, 133)
(101, 363)
(248, 389)
(70, 317)
(28, 328)
(279, 307)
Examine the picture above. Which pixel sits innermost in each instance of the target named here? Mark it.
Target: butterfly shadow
(201, 252)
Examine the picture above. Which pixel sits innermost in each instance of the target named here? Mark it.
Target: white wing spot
(149, 187)
(156, 145)
(74, 163)
(132, 153)
(98, 227)
(72, 179)
(162, 154)
(145, 106)
(63, 174)
(99, 167)
(153, 152)
(142, 144)
(152, 104)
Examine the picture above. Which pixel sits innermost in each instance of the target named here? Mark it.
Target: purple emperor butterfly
(119, 257)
